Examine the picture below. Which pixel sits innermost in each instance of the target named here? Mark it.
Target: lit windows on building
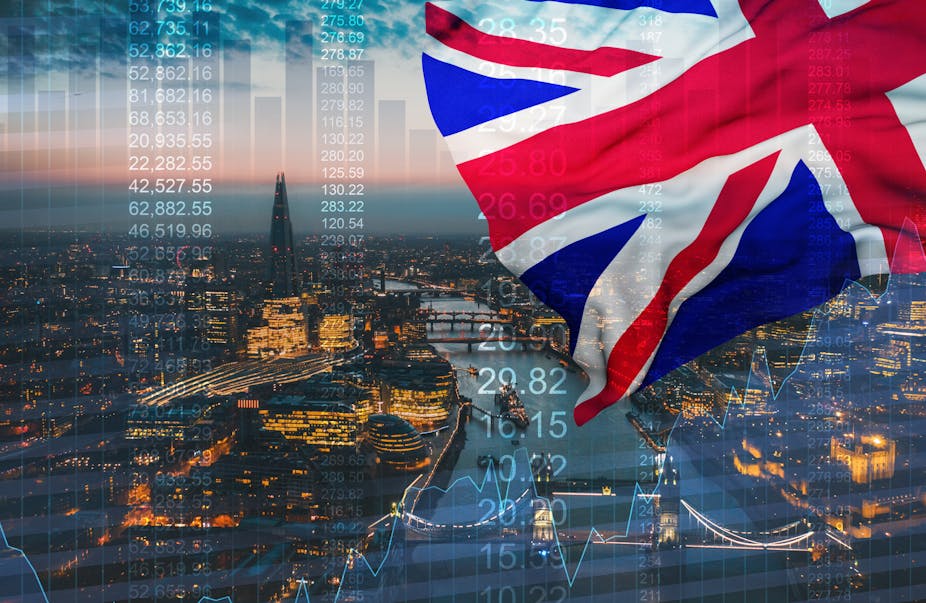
(173, 421)
(326, 425)
(915, 312)
(418, 391)
(335, 333)
(698, 403)
(221, 307)
(284, 332)
(424, 405)
(413, 331)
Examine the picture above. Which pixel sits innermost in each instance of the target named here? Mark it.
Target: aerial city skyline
(256, 346)
(338, 406)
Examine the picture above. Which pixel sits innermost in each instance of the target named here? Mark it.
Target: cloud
(50, 26)
(392, 25)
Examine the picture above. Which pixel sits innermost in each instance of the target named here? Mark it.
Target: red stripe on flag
(908, 255)
(638, 343)
(720, 106)
(881, 168)
(788, 76)
(460, 35)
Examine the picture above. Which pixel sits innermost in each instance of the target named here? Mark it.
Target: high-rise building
(418, 391)
(334, 333)
(221, 327)
(282, 254)
(284, 332)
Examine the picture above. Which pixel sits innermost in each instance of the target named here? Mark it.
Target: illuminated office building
(421, 404)
(176, 420)
(914, 312)
(284, 332)
(335, 334)
(891, 358)
(159, 423)
(902, 346)
(697, 403)
(221, 307)
(282, 254)
(212, 309)
(332, 387)
(413, 331)
(326, 425)
(419, 392)
(421, 352)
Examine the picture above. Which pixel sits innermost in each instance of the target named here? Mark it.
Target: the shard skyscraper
(282, 254)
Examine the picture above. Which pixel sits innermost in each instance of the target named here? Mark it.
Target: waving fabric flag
(668, 174)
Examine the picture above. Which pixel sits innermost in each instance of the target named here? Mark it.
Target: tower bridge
(677, 524)
(506, 515)
(794, 537)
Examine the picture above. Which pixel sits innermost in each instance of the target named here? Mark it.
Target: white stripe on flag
(834, 8)
(909, 102)
(630, 281)
(869, 240)
(585, 27)
(500, 71)
(606, 94)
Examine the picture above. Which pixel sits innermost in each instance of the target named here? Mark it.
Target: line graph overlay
(512, 497)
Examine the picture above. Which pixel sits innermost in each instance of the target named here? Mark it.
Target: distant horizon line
(83, 229)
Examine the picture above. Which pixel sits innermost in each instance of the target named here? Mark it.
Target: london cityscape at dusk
(256, 346)
(263, 425)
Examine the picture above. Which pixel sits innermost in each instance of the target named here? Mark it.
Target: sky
(64, 123)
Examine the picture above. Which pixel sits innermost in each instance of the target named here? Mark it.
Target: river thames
(606, 450)
(608, 447)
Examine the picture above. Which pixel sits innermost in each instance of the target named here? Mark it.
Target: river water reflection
(607, 447)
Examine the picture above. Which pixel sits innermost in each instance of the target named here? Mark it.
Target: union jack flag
(668, 174)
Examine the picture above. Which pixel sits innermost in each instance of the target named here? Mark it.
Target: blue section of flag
(696, 7)
(792, 257)
(564, 279)
(461, 99)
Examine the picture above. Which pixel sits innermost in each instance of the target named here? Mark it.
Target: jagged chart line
(491, 472)
(6, 544)
(491, 476)
(818, 314)
(638, 490)
(594, 536)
